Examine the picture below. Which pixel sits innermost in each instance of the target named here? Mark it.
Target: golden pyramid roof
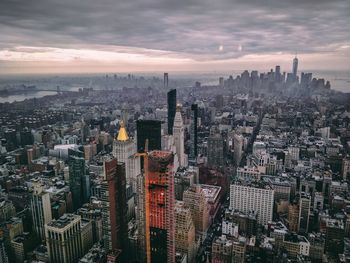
(122, 135)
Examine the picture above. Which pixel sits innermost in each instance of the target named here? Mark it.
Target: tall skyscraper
(193, 133)
(124, 150)
(238, 148)
(160, 206)
(63, 239)
(151, 130)
(114, 207)
(77, 180)
(304, 212)
(215, 150)
(171, 109)
(41, 210)
(295, 66)
(166, 80)
(179, 137)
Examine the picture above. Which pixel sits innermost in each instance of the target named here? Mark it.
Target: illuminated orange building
(160, 206)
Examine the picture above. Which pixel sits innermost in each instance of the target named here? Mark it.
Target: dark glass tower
(193, 132)
(171, 109)
(76, 178)
(151, 130)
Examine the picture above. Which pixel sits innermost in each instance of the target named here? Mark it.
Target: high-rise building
(63, 239)
(238, 148)
(179, 138)
(215, 150)
(184, 231)
(114, 207)
(3, 254)
(255, 196)
(160, 207)
(171, 109)
(194, 198)
(76, 180)
(41, 210)
(334, 236)
(124, 150)
(151, 130)
(304, 212)
(166, 80)
(295, 67)
(293, 218)
(193, 133)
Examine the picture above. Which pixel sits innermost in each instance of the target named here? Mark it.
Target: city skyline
(74, 37)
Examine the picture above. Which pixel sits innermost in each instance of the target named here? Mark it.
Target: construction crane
(147, 216)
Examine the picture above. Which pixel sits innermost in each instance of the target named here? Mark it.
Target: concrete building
(304, 212)
(63, 239)
(184, 232)
(257, 197)
(179, 137)
(40, 207)
(194, 198)
(215, 150)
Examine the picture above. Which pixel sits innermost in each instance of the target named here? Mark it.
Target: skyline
(70, 37)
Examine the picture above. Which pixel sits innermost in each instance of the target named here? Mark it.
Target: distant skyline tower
(160, 206)
(151, 130)
(166, 80)
(179, 137)
(171, 95)
(193, 133)
(41, 210)
(295, 66)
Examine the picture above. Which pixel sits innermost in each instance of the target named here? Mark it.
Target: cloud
(198, 30)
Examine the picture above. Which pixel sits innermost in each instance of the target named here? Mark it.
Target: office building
(194, 134)
(184, 231)
(295, 67)
(151, 130)
(179, 138)
(124, 150)
(63, 239)
(166, 80)
(171, 95)
(256, 196)
(194, 198)
(77, 175)
(41, 210)
(215, 150)
(160, 207)
(238, 142)
(304, 212)
(114, 207)
(334, 236)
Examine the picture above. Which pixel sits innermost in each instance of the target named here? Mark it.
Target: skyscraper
(171, 109)
(215, 150)
(193, 133)
(63, 239)
(124, 149)
(179, 138)
(41, 210)
(114, 207)
(160, 205)
(76, 180)
(304, 212)
(151, 130)
(295, 66)
(238, 148)
(166, 80)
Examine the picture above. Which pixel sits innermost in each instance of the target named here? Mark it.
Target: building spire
(122, 135)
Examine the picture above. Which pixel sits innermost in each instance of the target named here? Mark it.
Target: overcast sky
(39, 36)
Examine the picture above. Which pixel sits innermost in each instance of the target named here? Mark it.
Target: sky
(90, 36)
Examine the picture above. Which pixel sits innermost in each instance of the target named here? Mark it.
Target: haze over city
(72, 36)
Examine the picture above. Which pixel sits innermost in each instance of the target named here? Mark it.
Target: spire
(122, 135)
(178, 118)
